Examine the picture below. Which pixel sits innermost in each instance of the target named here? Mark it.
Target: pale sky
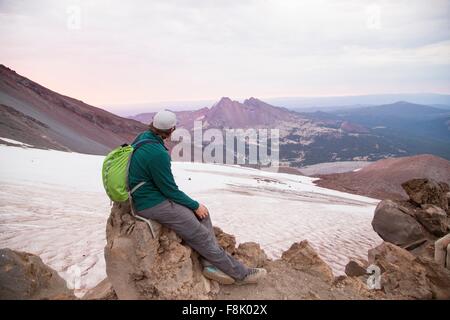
(120, 52)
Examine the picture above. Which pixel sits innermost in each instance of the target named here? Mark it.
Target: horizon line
(270, 97)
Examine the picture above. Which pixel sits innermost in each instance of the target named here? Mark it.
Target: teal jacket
(151, 163)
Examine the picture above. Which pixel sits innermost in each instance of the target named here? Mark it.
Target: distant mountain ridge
(229, 113)
(332, 102)
(299, 104)
(363, 133)
(400, 110)
(35, 115)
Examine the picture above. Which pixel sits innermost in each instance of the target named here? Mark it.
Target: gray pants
(199, 235)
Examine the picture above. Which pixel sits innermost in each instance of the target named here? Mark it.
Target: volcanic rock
(405, 276)
(356, 268)
(225, 240)
(427, 191)
(102, 291)
(24, 276)
(301, 256)
(393, 224)
(434, 219)
(142, 267)
(251, 254)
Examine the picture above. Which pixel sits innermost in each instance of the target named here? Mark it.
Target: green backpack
(115, 171)
(115, 177)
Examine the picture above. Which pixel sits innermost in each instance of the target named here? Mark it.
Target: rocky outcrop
(427, 191)
(24, 276)
(438, 278)
(424, 217)
(141, 267)
(409, 266)
(433, 218)
(301, 274)
(405, 276)
(301, 256)
(400, 276)
(251, 254)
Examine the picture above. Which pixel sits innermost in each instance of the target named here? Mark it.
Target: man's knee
(206, 219)
(199, 236)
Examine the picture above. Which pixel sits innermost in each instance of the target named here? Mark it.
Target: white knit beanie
(164, 120)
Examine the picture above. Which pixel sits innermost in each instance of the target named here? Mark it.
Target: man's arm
(161, 172)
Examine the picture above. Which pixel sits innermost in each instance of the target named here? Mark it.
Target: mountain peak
(224, 102)
(257, 103)
(252, 101)
(401, 103)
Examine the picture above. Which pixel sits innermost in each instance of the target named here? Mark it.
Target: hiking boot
(253, 276)
(213, 273)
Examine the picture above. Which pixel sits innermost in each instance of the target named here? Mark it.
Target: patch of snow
(16, 142)
(333, 167)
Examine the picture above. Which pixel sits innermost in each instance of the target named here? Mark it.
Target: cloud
(182, 50)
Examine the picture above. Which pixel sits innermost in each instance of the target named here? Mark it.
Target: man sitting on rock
(160, 199)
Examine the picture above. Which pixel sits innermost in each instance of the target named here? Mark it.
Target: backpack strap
(140, 184)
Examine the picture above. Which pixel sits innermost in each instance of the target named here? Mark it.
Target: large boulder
(301, 256)
(142, 267)
(395, 224)
(427, 191)
(23, 276)
(434, 219)
(404, 275)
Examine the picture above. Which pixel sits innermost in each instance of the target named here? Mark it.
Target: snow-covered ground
(333, 167)
(52, 204)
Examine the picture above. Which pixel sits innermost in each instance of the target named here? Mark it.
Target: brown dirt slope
(383, 178)
(35, 115)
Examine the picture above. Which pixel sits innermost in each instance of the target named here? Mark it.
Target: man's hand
(202, 211)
